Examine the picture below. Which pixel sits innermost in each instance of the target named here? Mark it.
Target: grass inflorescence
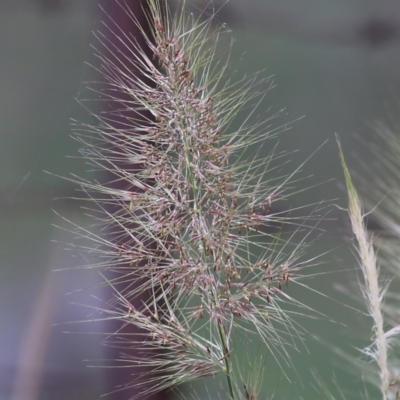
(383, 373)
(192, 222)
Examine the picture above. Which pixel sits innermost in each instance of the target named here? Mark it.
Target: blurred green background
(336, 67)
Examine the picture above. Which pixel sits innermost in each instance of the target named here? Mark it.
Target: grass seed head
(191, 225)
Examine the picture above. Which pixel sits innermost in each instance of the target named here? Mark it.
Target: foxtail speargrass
(379, 300)
(194, 225)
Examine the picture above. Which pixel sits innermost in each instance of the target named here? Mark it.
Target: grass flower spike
(372, 291)
(192, 226)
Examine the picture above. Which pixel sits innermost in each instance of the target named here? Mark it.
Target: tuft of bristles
(193, 225)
